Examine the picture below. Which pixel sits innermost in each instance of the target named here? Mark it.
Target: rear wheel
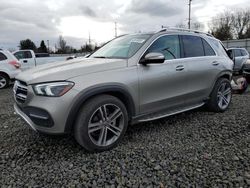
(221, 96)
(101, 123)
(4, 81)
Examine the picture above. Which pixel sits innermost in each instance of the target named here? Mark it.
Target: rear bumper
(13, 74)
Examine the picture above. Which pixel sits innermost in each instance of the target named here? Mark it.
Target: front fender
(87, 93)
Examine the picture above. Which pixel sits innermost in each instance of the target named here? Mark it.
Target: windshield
(123, 47)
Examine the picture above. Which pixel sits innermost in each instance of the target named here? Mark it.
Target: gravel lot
(193, 149)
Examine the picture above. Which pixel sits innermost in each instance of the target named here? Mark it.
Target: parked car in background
(9, 68)
(241, 55)
(133, 78)
(29, 59)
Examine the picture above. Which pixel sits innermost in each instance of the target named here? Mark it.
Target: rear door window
(192, 46)
(237, 53)
(2, 57)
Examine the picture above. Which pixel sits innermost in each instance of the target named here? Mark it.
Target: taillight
(15, 64)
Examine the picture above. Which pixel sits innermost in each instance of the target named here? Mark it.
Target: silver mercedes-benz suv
(133, 78)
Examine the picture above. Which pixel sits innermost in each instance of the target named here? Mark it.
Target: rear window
(2, 57)
(193, 46)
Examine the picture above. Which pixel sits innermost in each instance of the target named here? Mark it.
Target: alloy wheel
(224, 95)
(3, 82)
(106, 124)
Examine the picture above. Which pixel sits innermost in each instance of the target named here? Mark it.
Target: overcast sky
(76, 19)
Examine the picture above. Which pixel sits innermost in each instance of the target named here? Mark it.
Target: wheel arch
(115, 90)
(224, 74)
(4, 73)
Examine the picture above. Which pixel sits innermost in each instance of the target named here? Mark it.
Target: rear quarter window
(208, 49)
(243, 52)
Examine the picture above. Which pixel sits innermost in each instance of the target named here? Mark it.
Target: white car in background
(9, 68)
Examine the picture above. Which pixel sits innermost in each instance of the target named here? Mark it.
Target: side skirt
(162, 114)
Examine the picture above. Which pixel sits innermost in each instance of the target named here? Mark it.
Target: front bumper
(24, 117)
(45, 114)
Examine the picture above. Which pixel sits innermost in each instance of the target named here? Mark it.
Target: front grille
(20, 91)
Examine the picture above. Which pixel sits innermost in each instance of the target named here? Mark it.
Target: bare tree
(240, 22)
(221, 26)
(62, 44)
(181, 25)
(195, 25)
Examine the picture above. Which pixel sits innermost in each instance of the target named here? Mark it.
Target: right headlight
(55, 89)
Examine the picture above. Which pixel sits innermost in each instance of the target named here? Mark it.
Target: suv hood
(68, 69)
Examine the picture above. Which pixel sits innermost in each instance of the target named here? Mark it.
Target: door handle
(215, 63)
(179, 68)
(25, 61)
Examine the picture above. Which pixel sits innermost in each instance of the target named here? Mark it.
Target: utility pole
(115, 29)
(189, 15)
(48, 45)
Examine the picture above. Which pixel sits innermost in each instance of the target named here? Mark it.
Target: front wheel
(101, 123)
(221, 96)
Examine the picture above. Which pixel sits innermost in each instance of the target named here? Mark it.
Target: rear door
(202, 64)
(25, 58)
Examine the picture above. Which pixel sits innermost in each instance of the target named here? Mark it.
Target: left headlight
(55, 89)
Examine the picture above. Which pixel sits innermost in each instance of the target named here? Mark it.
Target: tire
(218, 103)
(4, 81)
(92, 124)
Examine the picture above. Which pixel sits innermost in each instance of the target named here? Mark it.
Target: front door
(163, 86)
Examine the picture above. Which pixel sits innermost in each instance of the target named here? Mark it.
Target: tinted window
(27, 55)
(2, 57)
(237, 53)
(193, 46)
(243, 52)
(208, 49)
(168, 45)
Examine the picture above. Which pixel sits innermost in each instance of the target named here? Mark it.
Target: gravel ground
(193, 149)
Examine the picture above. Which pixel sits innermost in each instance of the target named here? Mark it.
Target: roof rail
(182, 29)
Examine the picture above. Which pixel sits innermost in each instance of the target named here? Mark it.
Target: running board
(162, 115)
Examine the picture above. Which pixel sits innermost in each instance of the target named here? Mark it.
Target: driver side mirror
(153, 58)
